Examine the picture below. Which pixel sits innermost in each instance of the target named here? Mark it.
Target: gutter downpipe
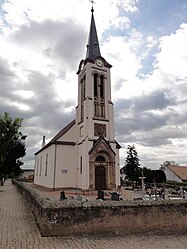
(54, 176)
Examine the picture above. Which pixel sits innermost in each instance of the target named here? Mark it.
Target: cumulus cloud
(54, 39)
(142, 114)
(41, 46)
(156, 118)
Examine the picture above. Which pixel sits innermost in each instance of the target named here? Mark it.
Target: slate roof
(180, 171)
(63, 131)
(58, 135)
(93, 49)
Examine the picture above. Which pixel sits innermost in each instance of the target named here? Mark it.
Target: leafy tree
(158, 176)
(152, 176)
(132, 165)
(148, 175)
(12, 147)
(168, 163)
(12, 163)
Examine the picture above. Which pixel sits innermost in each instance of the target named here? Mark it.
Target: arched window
(100, 159)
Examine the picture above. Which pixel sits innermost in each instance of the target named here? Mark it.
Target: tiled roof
(180, 171)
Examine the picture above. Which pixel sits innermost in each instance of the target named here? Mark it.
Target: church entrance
(102, 171)
(100, 178)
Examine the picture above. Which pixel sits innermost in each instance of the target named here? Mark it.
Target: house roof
(180, 171)
(57, 136)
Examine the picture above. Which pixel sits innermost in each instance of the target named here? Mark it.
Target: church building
(84, 154)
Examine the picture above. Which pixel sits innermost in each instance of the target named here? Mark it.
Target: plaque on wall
(99, 130)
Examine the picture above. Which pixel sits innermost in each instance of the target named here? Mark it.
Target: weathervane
(91, 1)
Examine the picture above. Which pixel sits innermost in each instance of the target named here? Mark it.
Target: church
(84, 154)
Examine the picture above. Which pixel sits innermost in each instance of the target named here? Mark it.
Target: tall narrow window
(102, 96)
(95, 84)
(46, 164)
(99, 96)
(81, 165)
(84, 86)
(96, 100)
(40, 166)
(83, 94)
(37, 166)
(102, 86)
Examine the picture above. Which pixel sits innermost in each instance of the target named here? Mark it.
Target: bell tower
(98, 152)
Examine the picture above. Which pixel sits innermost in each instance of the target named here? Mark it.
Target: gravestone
(114, 196)
(100, 195)
(62, 195)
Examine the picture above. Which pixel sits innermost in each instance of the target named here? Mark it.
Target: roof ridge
(63, 131)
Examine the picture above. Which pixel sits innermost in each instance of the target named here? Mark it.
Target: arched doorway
(102, 166)
(100, 173)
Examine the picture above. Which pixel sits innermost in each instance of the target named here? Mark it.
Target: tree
(12, 146)
(13, 163)
(168, 163)
(151, 176)
(158, 176)
(148, 175)
(132, 165)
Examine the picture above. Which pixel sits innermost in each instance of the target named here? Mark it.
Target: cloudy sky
(42, 43)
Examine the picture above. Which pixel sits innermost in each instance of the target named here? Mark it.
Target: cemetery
(78, 216)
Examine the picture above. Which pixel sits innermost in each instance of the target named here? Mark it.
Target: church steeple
(93, 49)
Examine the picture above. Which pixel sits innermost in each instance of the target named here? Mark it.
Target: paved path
(18, 230)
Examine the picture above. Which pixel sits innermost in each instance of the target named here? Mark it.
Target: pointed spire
(93, 49)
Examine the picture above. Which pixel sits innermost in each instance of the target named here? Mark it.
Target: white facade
(85, 154)
(55, 162)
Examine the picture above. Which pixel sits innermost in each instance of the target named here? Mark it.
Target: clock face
(99, 63)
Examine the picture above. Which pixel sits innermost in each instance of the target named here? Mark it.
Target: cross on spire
(91, 1)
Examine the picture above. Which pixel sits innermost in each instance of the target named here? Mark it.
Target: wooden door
(100, 178)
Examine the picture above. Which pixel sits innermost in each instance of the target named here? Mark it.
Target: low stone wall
(56, 218)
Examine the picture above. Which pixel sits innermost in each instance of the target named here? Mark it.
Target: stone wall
(56, 218)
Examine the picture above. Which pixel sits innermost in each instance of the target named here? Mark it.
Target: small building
(84, 154)
(176, 173)
(27, 174)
